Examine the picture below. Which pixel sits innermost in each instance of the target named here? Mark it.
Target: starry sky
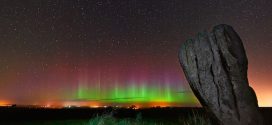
(85, 52)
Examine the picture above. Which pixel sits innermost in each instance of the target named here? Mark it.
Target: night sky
(118, 52)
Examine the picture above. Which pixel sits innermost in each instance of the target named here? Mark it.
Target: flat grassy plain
(111, 116)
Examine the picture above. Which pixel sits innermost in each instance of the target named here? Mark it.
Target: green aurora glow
(136, 94)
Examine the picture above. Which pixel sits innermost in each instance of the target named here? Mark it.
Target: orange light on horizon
(4, 103)
(262, 87)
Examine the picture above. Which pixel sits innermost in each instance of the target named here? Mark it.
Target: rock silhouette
(215, 65)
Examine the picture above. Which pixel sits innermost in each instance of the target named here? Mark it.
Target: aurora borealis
(119, 52)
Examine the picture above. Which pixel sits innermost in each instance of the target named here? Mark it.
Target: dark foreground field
(87, 116)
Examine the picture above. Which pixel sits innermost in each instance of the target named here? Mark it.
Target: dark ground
(9, 114)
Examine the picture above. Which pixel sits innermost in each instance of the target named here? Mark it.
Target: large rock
(215, 65)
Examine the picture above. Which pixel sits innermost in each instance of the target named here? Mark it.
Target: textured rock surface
(215, 65)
